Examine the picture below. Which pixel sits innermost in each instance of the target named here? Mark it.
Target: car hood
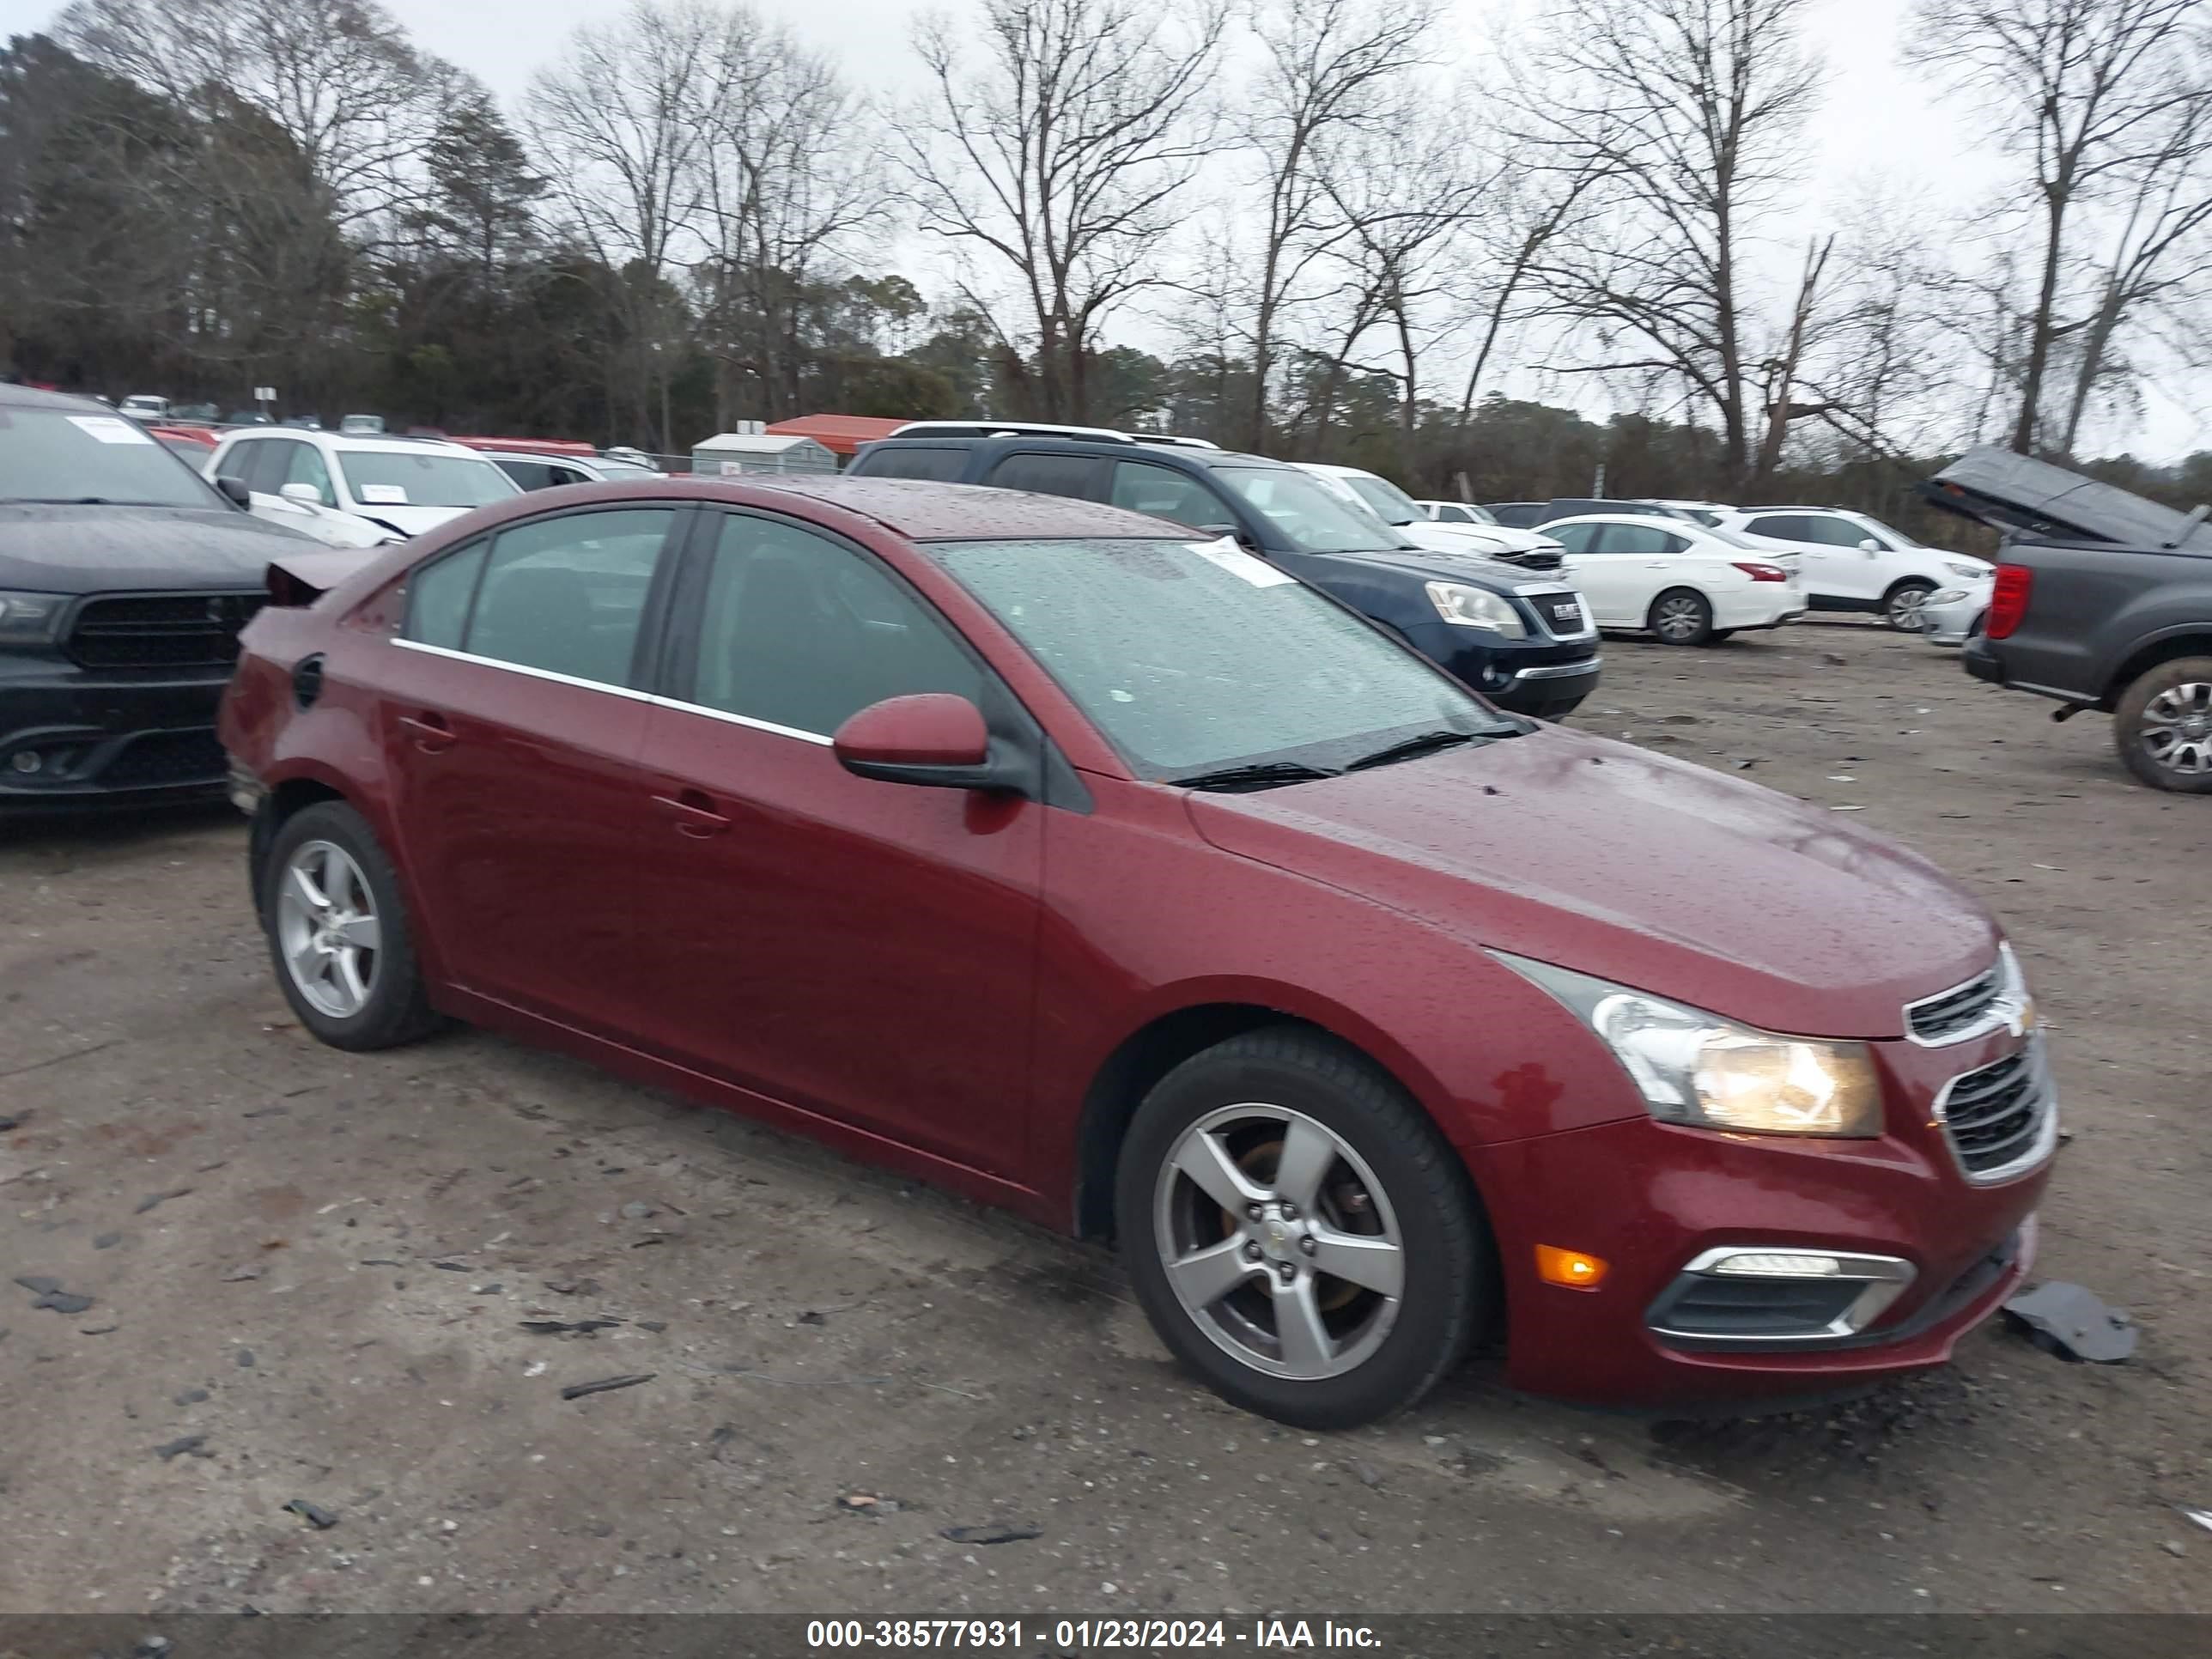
(1652, 872)
(1434, 565)
(410, 520)
(89, 549)
(1482, 540)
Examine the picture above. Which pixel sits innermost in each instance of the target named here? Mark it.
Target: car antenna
(2203, 510)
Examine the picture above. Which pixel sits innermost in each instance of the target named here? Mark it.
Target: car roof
(27, 397)
(925, 511)
(971, 434)
(1686, 526)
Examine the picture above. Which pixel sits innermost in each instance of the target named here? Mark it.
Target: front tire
(338, 933)
(2162, 725)
(1299, 1234)
(1681, 616)
(1900, 606)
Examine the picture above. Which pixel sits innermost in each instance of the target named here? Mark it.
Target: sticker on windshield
(385, 495)
(111, 429)
(1239, 563)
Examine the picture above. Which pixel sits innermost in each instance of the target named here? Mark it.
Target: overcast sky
(1878, 131)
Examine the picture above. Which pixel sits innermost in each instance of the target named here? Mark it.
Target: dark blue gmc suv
(1523, 639)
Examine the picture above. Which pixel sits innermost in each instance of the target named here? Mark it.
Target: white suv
(1530, 548)
(1849, 562)
(403, 485)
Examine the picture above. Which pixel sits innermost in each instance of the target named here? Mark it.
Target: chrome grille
(2001, 1119)
(161, 630)
(1952, 1013)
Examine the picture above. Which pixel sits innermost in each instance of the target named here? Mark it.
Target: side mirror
(1219, 530)
(306, 494)
(934, 739)
(1870, 545)
(234, 491)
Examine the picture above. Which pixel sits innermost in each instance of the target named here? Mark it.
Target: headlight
(1972, 572)
(1948, 596)
(1476, 607)
(30, 618)
(1696, 1068)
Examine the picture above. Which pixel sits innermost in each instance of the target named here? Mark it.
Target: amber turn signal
(1572, 1268)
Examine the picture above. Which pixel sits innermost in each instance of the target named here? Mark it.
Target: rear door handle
(432, 735)
(693, 813)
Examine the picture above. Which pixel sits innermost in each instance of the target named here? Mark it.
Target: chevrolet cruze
(1106, 872)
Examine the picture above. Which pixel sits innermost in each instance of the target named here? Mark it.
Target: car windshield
(1304, 513)
(54, 455)
(401, 477)
(1194, 657)
(1392, 505)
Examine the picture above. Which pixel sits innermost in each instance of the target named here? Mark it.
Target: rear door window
(1083, 477)
(1143, 487)
(439, 595)
(1781, 526)
(917, 461)
(567, 593)
(1644, 540)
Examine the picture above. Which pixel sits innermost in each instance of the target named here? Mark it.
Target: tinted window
(400, 478)
(1190, 657)
(1080, 476)
(567, 593)
(530, 475)
(1575, 538)
(236, 459)
(56, 455)
(804, 632)
(438, 597)
(1646, 539)
(1835, 532)
(1167, 493)
(945, 465)
(1783, 526)
(269, 465)
(304, 465)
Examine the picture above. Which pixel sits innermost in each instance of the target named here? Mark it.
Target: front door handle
(432, 735)
(693, 813)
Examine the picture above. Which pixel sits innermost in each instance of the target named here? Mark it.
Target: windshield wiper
(1262, 774)
(1422, 743)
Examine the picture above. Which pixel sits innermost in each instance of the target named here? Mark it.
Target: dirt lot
(310, 1272)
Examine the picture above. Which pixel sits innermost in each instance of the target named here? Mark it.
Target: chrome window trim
(2046, 1136)
(630, 693)
(1885, 1277)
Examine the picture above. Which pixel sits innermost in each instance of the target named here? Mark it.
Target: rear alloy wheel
(2162, 725)
(338, 932)
(1298, 1233)
(1681, 616)
(1901, 606)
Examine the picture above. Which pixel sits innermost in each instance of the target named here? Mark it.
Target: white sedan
(1684, 584)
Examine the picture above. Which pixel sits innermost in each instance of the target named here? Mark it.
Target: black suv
(124, 578)
(1525, 643)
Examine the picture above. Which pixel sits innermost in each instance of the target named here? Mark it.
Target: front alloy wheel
(1902, 609)
(327, 929)
(1279, 1242)
(1300, 1235)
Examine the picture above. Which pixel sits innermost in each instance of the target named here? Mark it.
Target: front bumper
(105, 737)
(1542, 677)
(1655, 1201)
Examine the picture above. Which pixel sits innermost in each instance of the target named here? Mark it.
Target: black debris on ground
(312, 1513)
(568, 1327)
(2073, 1322)
(153, 1200)
(190, 1445)
(606, 1385)
(997, 1532)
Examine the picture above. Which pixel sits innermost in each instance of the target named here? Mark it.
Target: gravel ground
(310, 1273)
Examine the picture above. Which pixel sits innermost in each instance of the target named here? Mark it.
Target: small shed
(733, 454)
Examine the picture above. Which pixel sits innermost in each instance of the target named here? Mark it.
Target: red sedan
(1032, 848)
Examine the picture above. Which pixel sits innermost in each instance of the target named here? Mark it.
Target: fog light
(1573, 1269)
(1775, 1264)
(26, 761)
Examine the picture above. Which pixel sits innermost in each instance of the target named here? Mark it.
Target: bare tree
(1686, 114)
(1061, 157)
(354, 101)
(2110, 101)
(617, 121)
(1331, 67)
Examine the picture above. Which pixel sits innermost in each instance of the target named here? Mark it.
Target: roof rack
(1041, 429)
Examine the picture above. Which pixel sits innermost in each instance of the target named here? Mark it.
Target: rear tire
(1681, 616)
(338, 933)
(2162, 725)
(1253, 1168)
(1900, 606)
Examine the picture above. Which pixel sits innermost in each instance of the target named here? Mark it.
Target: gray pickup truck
(2103, 600)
